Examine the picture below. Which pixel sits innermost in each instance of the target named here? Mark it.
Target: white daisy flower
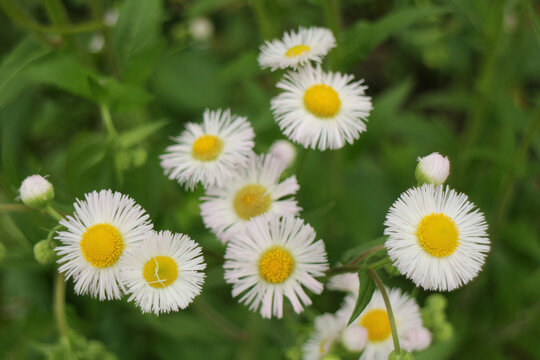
(102, 228)
(253, 191)
(164, 273)
(436, 238)
(297, 48)
(209, 152)
(347, 282)
(272, 258)
(327, 330)
(321, 110)
(375, 323)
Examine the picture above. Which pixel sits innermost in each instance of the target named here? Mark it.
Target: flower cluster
(109, 248)
(433, 234)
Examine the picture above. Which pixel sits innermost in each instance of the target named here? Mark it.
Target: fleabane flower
(36, 191)
(297, 48)
(272, 258)
(164, 273)
(210, 152)
(254, 190)
(327, 330)
(284, 151)
(432, 169)
(322, 110)
(436, 237)
(103, 227)
(373, 335)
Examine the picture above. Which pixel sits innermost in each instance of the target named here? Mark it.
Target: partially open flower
(432, 169)
(36, 191)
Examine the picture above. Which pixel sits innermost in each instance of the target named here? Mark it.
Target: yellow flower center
(101, 245)
(276, 265)
(297, 50)
(322, 100)
(438, 235)
(377, 324)
(251, 200)
(160, 271)
(207, 148)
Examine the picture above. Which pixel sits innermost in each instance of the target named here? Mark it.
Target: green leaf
(137, 31)
(364, 36)
(365, 292)
(535, 23)
(23, 55)
(140, 133)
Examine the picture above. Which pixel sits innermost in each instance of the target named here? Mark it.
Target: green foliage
(458, 77)
(365, 292)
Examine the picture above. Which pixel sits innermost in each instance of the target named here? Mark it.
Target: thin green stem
(380, 263)
(107, 120)
(331, 9)
(388, 306)
(263, 20)
(60, 305)
(366, 253)
(50, 210)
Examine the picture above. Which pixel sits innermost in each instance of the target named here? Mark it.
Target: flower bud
(284, 151)
(402, 355)
(44, 252)
(444, 332)
(354, 338)
(417, 338)
(432, 169)
(436, 302)
(36, 191)
(201, 28)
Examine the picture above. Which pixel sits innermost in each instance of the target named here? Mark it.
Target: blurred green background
(459, 77)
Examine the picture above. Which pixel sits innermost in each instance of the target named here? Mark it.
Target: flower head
(252, 191)
(164, 273)
(272, 258)
(328, 328)
(284, 151)
(297, 48)
(321, 110)
(210, 152)
(104, 226)
(436, 238)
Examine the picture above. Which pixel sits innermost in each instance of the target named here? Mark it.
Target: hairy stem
(388, 306)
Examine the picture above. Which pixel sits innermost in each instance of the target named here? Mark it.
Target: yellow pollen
(251, 200)
(160, 271)
(322, 100)
(101, 245)
(438, 235)
(276, 265)
(297, 51)
(207, 148)
(377, 324)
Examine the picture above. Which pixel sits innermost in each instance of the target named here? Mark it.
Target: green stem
(352, 265)
(380, 263)
(60, 305)
(331, 9)
(366, 253)
(59, 17)
(49, 209)
(263, 20)
(388, 306)
(107, 120)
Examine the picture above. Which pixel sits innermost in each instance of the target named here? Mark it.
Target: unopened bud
(432, 169)
(284, 151)
(44, 252)
(36, 191)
